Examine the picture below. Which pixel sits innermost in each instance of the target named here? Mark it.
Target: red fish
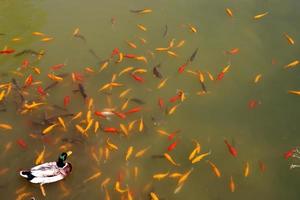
(22, 143)
(231, 149)
(7, 51)
(28, 81)
(182, 68)
(25, 64)
(116, 51)
(99, 114)
(289, 153)
(67, 100)
(41, 91)
(252, 104)
(233, 51)
(137, 78)
(110, 130)
(78, 76)
(172, 146)
(175, 98)
(130, 56)
(161, 103)
(120, 115)
(56, 67)
(220, 76)
(134, 110)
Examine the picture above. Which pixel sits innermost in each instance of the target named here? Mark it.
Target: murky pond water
(260, 120)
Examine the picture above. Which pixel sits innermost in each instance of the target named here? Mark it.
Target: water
(260, 134)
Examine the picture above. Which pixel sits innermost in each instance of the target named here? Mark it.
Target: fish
(257, 78)
(94, 176)
(289, 153)
(46, 39)
(27, 51)
(247, 169)
(162, 83)
(82, 91)
(180, 44)
(262, 166)
(49, 128)
(118, 188)
(5, 126)
(40, 157)
(160, 176)
(142, 27)
(142, 11)
(229, 12)
(131, 44)
(22, 143)
(156, 72)
(214, 169)
(200, 157)
(137, 78)
(137, 100)
(128, 153)
(7, 51)
(170, 159)
(231, 184)
(172, 146)
(233, 51)
(166, 31)
(172, 53)
(295, 92)
(192, 28)
(154, 196)
(292, 64)
(193, 56)
(182, 68)
(289, 39)
(259, 16)
(172, 109)
(141, 152)
(231, 149)
(184, 177)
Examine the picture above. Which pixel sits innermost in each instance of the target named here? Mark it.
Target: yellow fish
(171, 53)
(127, 69)
(153, 196)
(129, 152)
(124, 129)
(141, 152)
(94, 176)
(118, 188)
(97, 125)
(247, 169)
(257, 78)
(38, 34)
(173, 109)
(111, 145)
(292, 64)
(141, 126)
(260, 15)
(231, 184)
(6, 126)
(180, 44)
(162, 49)
(170, 159)
(229, 12)
(289, 39)
(103, 66)
(162, 83)
(183, 178)
(142, 27)
(62, 123)
(195, 151)
(131, 44)
(40, 157)
(47, 39)
(296, 92)
(193, 28)
(214, 169)
(49, 128)
(200, 157)
(160, 175)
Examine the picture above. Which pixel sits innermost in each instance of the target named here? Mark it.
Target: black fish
(156, 73)
(138, 101)
(166, 31)
(82, 91)
(27, 51)
(193, 55)
(203, 87)
(51, 86)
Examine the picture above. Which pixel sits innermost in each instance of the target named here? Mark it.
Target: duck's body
(48, 172)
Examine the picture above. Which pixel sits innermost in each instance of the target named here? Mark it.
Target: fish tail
(26, 174)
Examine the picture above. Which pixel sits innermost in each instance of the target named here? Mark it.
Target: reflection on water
(258, 119)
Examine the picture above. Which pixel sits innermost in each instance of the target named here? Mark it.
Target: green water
(260, 134)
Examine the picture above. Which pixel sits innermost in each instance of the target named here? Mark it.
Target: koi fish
(231, 149)
(192, 28)
(22, 143)
(40, 157)
(41, 91)
(184, 177)
(172, 53)
(180, 44)
(252, 104)
(110, 130)
(229, 12)
(289, 153)
(173, 109)
(46, 39)
(156, 73)
(161, 103)
(162, 83)
(49, 128)
(214, 169)
(131, 44)
(166, 31)
(259, 16)
(231, 184)
(133, 110)
(141, 152)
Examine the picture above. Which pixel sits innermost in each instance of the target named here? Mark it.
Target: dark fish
(81, 37)
(82, 91)
(193, 55)
(156, 73)
(51, 86)
(138, 101)
(166, 31)
(203, 87)
(27, 51)
(157, 156)
(94, 53)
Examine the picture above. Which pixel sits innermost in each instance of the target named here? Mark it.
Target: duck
(49, 172)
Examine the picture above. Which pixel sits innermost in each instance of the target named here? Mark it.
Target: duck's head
(62, 158)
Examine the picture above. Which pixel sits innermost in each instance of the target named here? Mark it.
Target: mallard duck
(49, 172)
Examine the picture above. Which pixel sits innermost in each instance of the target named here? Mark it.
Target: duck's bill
(69, 153)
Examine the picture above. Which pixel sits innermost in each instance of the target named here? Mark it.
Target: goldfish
(289, 153)
(231, 149)
(170, 159)
(105, 182)
(38, 34)
(200, 157)
(97, 125)
(162, 83)
(103, 66)
(55, 78)
(78, 115)
(49, 128)
(192, 28)
(171, 53)
(292, 64)
(131, 44)
(184, 177)
(129, 152)
(161, 103)
(133, 110)
(118, 188)
(214, 169)
(46, 39)
(142, 11)
(121, 56)
(7, 51)
(172, 109)
(127, 69)
(124, 93)
(257, 78)
(137, 78)
(259, 16)
(175, 175)
(180, 44)
(296, 92)
(231, 184)
(94, 176)
(141, 126)
(141, 152)
(141, 58)
(172, 146)
(153, 196)
(6, 126)
(142, 27)
(289, 39)
(111, 145)
(40, 157)
(160, 175)
(124, 129)
(22, 143)
(162, 49)
(182, 68)
(247, 169)
(233, 51)
(229, 12)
